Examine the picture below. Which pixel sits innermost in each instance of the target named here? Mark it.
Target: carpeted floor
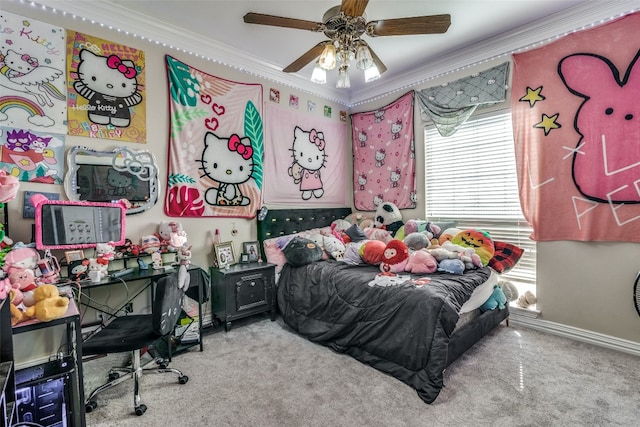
(261, 374)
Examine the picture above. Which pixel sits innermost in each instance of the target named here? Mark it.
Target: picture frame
(252, 248)
(73, 256)
(244, 258)
(224, 254)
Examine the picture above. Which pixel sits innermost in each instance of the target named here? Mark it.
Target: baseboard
(583, 335)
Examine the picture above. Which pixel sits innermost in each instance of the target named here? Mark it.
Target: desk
(151, 276)
(74, 344)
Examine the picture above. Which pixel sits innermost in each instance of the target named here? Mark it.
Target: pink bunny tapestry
(576, 122)
(215, 145)
(384, 163)
(305, 159)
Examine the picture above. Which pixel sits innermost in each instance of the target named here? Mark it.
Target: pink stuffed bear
(24, 283)
(395, 257)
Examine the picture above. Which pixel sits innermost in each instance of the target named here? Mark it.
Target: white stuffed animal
(334, 247)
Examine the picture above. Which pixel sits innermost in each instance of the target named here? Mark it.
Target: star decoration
(26, 23)
(532, 96)
(548, 123)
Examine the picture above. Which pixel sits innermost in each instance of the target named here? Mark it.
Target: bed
(411, 331)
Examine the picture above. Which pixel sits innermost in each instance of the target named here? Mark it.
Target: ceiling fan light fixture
(372, 73)
(343, 77)
(328, 57)
(319, 75)
(363, 58)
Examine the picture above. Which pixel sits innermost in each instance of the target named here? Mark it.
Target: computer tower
(44, 393)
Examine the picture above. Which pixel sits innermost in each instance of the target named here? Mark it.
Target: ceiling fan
(345, 25)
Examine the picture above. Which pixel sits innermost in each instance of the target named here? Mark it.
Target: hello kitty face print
(308, 152)
(109, 84)
(229, 163)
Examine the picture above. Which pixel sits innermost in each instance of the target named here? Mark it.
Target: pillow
(505, 257)
(302, 251)
(273, 247)
(355, 233)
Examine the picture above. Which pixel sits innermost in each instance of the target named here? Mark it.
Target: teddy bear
(388, 217)
(49, 305)
(24, 284)
(394, 257)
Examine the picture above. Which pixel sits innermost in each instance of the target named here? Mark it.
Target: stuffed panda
(388, 217)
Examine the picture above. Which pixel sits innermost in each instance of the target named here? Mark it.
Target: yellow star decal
(532, 96)
(547, 123)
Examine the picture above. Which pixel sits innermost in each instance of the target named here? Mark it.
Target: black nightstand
(243, 290)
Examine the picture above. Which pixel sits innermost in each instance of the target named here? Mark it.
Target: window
(470, 177)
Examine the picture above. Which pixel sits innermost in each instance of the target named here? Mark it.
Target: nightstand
(242, 290)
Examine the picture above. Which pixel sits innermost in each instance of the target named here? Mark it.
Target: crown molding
(536, 33)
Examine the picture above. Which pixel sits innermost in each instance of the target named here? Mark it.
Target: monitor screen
(102, 183)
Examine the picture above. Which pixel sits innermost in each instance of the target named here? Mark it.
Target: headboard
(280, 222)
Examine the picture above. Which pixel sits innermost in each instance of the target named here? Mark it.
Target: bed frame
(280, 222)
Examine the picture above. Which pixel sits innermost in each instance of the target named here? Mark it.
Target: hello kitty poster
(305, 159)
(106, 89)
(32, 75)
(384, 155)
(576, 121)
(215, 146)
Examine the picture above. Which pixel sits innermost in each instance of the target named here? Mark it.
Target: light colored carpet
(261, 374)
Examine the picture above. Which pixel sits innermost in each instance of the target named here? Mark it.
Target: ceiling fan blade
(279, 21)
(376, 60)
(353, 7)
(433, 24)
(306, 57)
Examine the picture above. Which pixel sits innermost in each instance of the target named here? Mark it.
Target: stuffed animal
(49, 305)
(373, 233)
(127, 249)
(334, 247)
(421, 262)
(183, 257)
(388, 217)
(527, 299)
(78, 269)
(479, 240)
(17, 315)
(395, 257)
(496, 300)
(24, 284)
(509, 289)
(427, 228)
(150, 244)
(156, 260)
(106, 251)
(453, 266)
(416, 241)
(5, 288)
(352, 253)
(171, 236)
(372, 251)
(448, 234)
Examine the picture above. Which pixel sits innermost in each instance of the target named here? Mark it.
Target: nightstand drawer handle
(253, 284)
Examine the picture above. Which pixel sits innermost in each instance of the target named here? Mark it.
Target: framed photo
(244, 258)
(73, 256)
(253, 249)
(224, 254)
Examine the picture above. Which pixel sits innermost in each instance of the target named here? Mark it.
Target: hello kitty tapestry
(384, 161)
(576, 121)
(215, 145)
(33, 106)
(305, 159)
(106, 89)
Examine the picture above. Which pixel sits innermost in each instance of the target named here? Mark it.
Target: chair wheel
(141, 410)
(113, 376)
(183, 379)
(163, 365)
(90, 406)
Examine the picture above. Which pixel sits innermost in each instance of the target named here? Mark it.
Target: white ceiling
(479, 30)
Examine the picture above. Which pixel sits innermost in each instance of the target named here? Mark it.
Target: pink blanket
(576, 125)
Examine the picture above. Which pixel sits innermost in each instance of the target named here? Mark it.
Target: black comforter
(402, 330)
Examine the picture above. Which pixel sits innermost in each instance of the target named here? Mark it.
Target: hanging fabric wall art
(384, 161)
(216, 145)
(106, 89)
(576, 126)
(33, 107)
(304, 159)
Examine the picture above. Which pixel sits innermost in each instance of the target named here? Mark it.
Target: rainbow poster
(32, 75)
(106, 96)
(32, 156)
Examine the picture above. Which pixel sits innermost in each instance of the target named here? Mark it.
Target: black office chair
(133, 333)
